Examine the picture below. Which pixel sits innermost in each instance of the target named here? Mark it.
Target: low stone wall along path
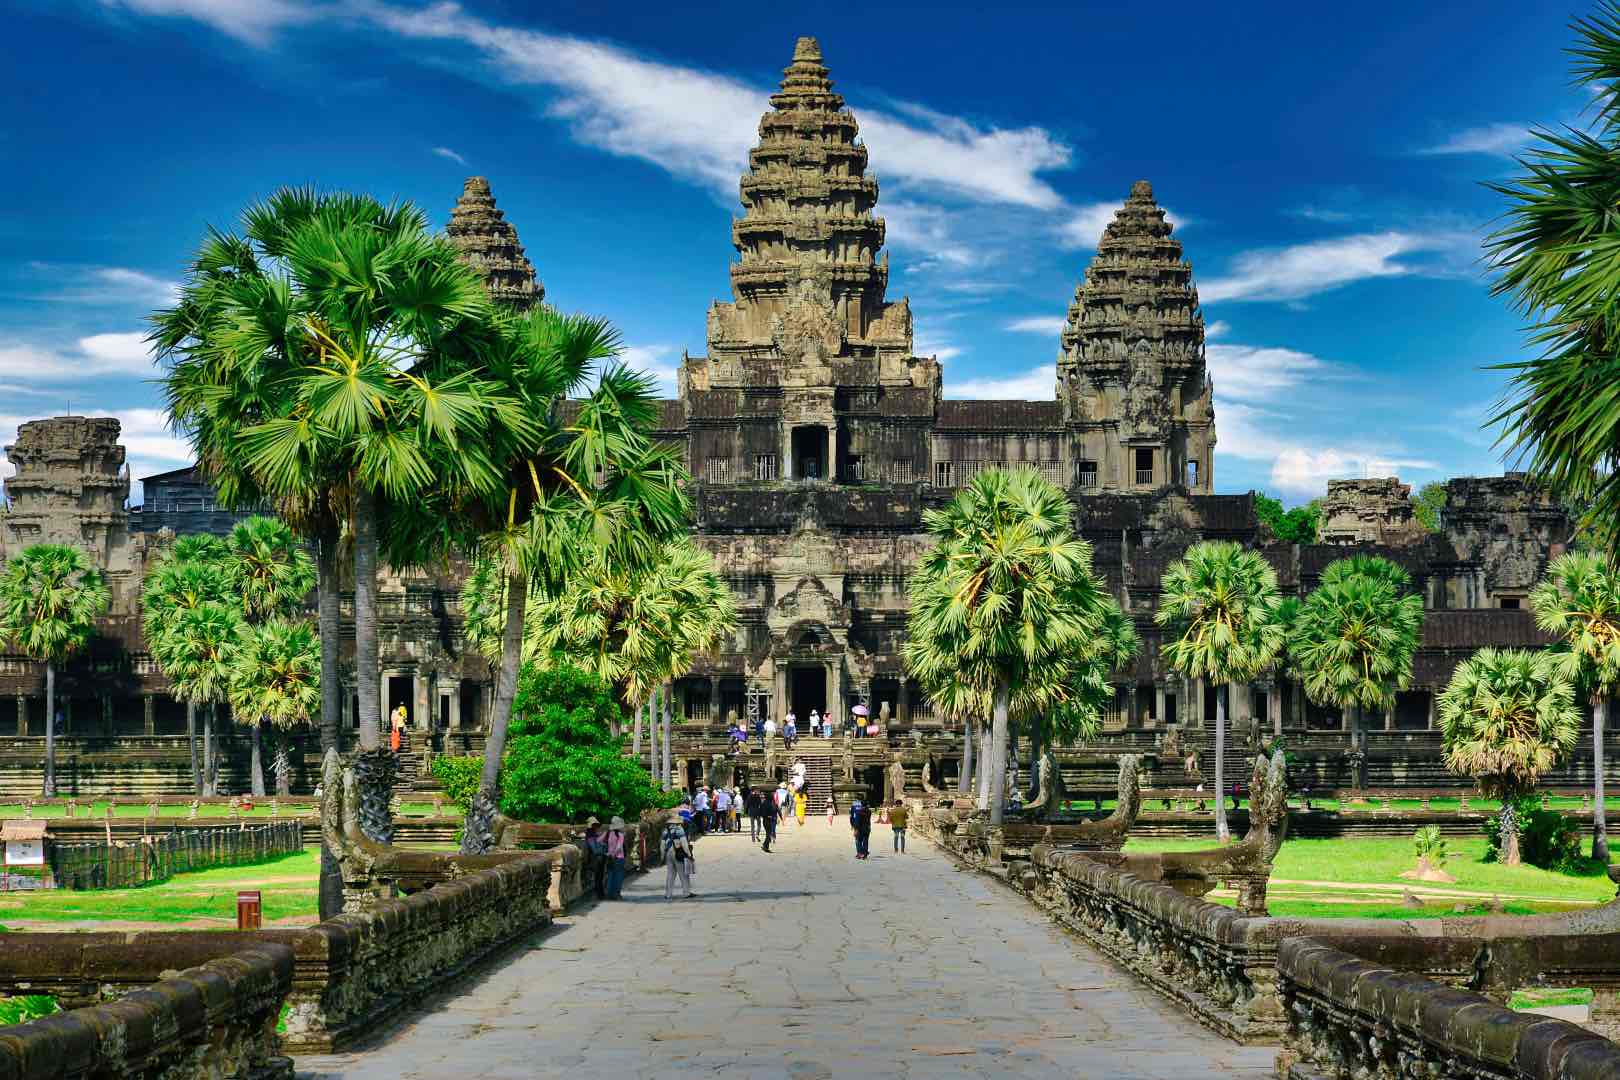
(798, 965)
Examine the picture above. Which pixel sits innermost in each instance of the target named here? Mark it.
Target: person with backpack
(768, 817)
(860, 822)
(595, 858)
(897, 822)
(678, 859)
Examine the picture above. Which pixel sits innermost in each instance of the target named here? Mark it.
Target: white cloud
(1255, 374)
(122, 283)
(1292, 273)
(926, 231)
(253, 21)
(446, 152)
(99, 354)
(1037, 384)
(1216, 329)
(1049, 325)
(1085, 224)
(1305, 472)
(1502, 140)
(150, 445)
(659, 361)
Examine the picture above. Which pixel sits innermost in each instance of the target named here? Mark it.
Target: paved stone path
(799, 965)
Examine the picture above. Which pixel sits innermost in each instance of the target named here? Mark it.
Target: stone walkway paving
(799, 965)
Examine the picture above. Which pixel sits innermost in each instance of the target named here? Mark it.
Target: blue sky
(1326, 172)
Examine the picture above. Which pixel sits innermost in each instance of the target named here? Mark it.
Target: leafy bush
(1296, 526)
(1430, 845)
(20, 1010)
(1547, 838)
(459, 777)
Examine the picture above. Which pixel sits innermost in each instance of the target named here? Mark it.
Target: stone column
(832, 451)
(151, 714)
(453, 688)
(67, 711)
(387, 706)
(22, 715)
(1431, 709)
(1133, 710)
(780, 696)
(348, 710)
(835, 695)
(1158, 704)
(423, 718)
(1274, 706)
(902, 705)
(716, 715)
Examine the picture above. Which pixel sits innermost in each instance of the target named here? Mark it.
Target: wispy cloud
(926, 232)
(1036, 384)
(89, 357)
(449, 154)
(1305, 472)
(102, 285)
(1050, 325)
(659, 361)
(1083, 226)
(1216, 329)
(151, 446)
(1502, 140)
(1293, 273)
(253, 21)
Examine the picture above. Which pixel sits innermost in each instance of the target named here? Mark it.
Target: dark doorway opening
(807, 689)
(809, 452)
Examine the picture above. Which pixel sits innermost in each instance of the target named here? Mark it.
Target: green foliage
(1427, 504)
(459, 777)
(1352, 641)
(1296, 526)
(563, 763)
(1221, 603)
(50, 598)
(26, 1007)
(1547, 838)
(1578, 602)
(277, 674)
(1507, 717)
(1430, 845)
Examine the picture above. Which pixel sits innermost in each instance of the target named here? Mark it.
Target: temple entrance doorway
(807, 689)
(810, 452)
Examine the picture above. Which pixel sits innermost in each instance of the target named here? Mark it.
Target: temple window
(1192, 474)
(717, 471)
(1144, 465)
(1086, 474)
(764, 466)
(944, 474)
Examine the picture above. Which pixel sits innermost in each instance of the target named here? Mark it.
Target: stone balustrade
(215, 1020)
(1350, 1017)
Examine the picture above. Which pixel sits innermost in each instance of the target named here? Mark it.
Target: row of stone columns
(427, 706)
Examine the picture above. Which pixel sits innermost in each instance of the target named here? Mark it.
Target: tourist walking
(751, 803)
(800, 804)
(860, 823)
(815, 725)
(768, 819)
(832, 811)
(790, 733)
(897, 822)
(615, 858)
(678, 860)
(781, 800)
(722, 810)
(700, 809)
(595, 858)
(396, 725)
(770, 729)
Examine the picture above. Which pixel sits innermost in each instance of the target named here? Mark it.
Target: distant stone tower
(1131, 377)
(70, 488)
(489, 244)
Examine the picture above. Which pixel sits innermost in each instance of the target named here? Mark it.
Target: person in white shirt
(781, 798)
(770, 728)
(815, 724)
(722, 810)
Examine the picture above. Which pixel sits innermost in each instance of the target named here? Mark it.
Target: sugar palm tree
(276, 680)
(201, 651)
(1507, 718)
(1578, 602)
(50, 598)
(268, 569)
(1003, 601)
(1558, 259)
(1352, 640)
(1221, 602)
(191, 574)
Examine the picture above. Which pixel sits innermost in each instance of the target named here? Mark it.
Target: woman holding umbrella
(861, 713)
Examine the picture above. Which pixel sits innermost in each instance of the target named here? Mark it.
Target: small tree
(50, 598)
(277, 680)
(1579, 603)
(201, 652)
(1507, 717)
(190, 575)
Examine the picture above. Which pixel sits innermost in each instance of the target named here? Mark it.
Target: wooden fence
(139, 862)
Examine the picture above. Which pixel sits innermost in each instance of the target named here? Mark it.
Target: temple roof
(489, 244)
(999, 416)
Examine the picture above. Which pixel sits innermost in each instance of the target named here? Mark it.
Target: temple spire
(489, 244)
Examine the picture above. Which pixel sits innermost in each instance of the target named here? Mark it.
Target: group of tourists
(712, 809)
(605, 858)
(860, 823)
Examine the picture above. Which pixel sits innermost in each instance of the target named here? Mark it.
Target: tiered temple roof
(488, 242)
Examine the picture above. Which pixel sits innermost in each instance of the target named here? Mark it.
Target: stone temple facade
(816, 439)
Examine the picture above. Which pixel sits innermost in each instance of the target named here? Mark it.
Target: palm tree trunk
(1221, 832)
(330, 895)
(191, 741)
(1509, 824)
(50, 730)
(1600, 822)
(366, 663)
(644, 707)
(663, 774)
(981, 766)
(998, 750)
(258, 761)
(477, 836)
(964, 775)
(208, 752)
(1034, 786)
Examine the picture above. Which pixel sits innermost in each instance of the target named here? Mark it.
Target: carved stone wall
(1369, 512)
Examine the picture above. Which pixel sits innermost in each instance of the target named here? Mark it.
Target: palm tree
(268, 568)
(1002, 605)
(1558, 260)
(191, 574)
(1221, 601)
(201, 652)
(1579, 603)
(1353, 639)
(1507, 717)
(277, 680)
(50, 598)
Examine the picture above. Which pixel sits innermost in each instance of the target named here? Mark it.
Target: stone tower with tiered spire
(489, 244)
(1132, 383)
(809, 365)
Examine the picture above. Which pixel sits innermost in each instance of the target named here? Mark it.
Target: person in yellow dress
(799, 803)
(398, 726)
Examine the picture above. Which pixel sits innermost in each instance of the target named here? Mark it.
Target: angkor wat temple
(816, 438)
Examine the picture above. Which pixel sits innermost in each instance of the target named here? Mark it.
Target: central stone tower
(809, 350)
(1132, 384)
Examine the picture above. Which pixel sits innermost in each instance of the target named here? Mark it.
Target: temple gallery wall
(816, 439)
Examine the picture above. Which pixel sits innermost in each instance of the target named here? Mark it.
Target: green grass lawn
(1360, 878)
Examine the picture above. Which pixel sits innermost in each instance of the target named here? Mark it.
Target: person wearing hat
(678, 859)
(595, 857)
(615, 858)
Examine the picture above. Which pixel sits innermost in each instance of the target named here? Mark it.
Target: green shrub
(459, 777)
(1547, 838)
(1430, 845)
(20, 1010)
